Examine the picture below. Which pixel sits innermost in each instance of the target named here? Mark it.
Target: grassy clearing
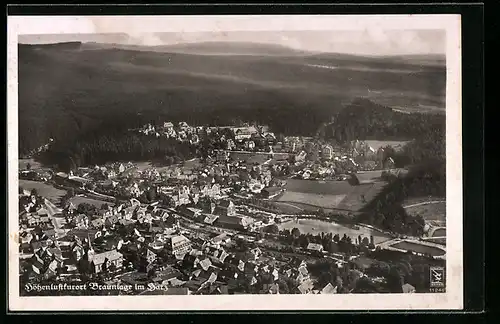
(24, 162)
(361, 195)
(432, 212)
(315, 227)
(98, 203)
(43, 189)
(419, 248)
(317, 187)
(319, 200)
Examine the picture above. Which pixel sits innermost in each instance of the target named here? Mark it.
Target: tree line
(104, 147)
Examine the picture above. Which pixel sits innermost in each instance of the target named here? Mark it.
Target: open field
(319, 187)
(440, 232)
(43, 189)
(361, 195)
(419, 248)
(289, 208)
(323, 201)
(24, 162)
(439, 240)
(314, 226)
(330, 194)
(431, 212)
(98, 203)
(369, 176)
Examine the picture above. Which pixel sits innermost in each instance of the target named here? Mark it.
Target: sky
(370, 41)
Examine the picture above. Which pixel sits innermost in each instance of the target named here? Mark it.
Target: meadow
(43, 189)
(24, 162)
(318, 187)
(81, 199)
(334, 195)
(315, 227)
(319, 200)
(431, 212)
(419, 248)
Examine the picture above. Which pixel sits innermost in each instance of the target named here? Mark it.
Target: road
(425, 203)
(57, 222)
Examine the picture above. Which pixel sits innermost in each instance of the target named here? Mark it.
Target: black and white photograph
(178, 158)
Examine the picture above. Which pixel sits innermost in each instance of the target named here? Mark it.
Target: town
(253, 213)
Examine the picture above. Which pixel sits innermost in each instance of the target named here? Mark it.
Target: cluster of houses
(181, 131)
(149, 241)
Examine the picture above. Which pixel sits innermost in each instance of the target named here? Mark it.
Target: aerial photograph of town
(290, 162)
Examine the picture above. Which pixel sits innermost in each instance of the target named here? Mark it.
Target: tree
(104, 206)
(28, 166)
(34, 192)
(395, 280)
(336, 238)
(273, 229)
(295, 233)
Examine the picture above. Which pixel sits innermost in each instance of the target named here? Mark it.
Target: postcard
(181, 163)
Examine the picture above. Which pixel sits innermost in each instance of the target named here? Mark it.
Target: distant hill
(69, 89)
(208, 48)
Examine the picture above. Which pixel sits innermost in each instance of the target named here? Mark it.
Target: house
(193, 213)
(183, 126)
(222, 156)
(315, 247)
(180, 244)
(270, 138)
(327, 152)
(109, 261)
(221, 238)
(250, 145)
(243, 133)
(301, 157)
(306, 287)
(80, 221)
(389, 163)
(226, 208)
(255, 186)
(256, 253)
(97, 223)
(214, 191)
(408, 289)
(246, 221)
(271, 192)
(111, 220)
(272, 288)
(205, 264)
(168, 126)
(127, 213)
(329, 289)
(210, 219)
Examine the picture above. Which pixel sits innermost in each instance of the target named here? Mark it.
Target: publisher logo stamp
(437, 277)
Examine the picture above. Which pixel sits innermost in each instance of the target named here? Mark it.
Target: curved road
(426, 203)
(57, 222)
